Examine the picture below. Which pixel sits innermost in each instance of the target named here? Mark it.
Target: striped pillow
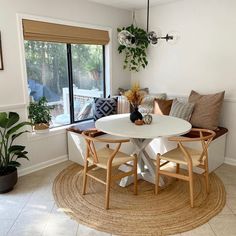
(181, 110)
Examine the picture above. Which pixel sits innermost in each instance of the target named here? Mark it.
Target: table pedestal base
(148, 173)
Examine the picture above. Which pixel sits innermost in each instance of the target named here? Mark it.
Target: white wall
(203, 59)
(12, 94)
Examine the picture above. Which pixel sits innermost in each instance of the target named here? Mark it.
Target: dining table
(141, 136)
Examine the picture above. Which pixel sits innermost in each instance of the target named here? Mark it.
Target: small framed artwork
(1, 60)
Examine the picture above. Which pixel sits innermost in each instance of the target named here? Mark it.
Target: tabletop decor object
(139, 122)
(135, 115)
(135, 96)
(147, 119)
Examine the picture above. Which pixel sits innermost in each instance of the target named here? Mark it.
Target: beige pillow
(207, 108)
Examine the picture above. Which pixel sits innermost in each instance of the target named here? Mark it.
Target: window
(66, 65)
(88, 77)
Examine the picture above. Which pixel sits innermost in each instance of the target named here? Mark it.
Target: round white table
(141, 136)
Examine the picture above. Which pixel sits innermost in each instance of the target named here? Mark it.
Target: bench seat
(76, 145)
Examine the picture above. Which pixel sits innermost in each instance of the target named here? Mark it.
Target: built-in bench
(77, 147)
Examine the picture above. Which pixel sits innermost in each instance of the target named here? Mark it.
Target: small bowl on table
(139, 122)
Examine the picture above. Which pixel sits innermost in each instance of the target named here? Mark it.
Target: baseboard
(36, 167)
(230, 161)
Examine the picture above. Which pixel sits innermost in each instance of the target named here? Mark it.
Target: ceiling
(131, 4)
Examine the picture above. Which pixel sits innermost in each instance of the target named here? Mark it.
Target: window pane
(48, 76)
(88, 78)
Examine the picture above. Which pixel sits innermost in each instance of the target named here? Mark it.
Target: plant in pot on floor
(39, 114)
(10, 153)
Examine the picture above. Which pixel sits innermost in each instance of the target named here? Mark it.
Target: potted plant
(135, 96)
(10, 153)
(39, 114)
(135, 56)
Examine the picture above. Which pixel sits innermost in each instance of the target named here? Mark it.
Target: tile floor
(30, 209)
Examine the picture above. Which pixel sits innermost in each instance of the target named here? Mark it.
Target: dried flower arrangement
(135, 95)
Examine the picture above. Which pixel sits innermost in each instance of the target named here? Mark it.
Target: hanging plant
(135, 56)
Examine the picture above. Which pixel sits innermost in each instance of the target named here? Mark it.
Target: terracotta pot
(8, 181)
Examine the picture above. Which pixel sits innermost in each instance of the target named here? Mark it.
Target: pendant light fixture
(153, 37)
(127, 39)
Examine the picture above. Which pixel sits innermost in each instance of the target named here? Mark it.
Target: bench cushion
(79, 128)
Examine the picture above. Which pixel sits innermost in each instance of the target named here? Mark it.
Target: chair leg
(207, 176)
(191, 185)
(108, 185)
(157, 173)
(177, 170)
(85, 178)
(135, 175)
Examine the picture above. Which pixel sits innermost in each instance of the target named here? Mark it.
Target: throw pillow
(123, 105)
(162, 107)
(85, 111)
(181, 110)
(104, 107)
(147, 103)
(207, 109)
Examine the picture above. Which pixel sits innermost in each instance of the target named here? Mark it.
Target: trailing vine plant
(135, 57)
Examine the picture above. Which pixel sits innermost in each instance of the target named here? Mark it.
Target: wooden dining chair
(107, 158)
(184, 155)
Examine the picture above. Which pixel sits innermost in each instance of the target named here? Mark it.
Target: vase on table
(135, 115)
(147, 119)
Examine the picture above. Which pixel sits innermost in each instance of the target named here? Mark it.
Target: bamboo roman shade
(50, 32)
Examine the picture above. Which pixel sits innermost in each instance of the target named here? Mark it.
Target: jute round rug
(145, 214)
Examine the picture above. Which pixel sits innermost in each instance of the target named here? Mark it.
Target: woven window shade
(50, 32)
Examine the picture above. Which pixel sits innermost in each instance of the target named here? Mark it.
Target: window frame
(70, 80)
(107, 57)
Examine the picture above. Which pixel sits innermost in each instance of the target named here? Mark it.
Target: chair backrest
(91, 148)
(204, 136)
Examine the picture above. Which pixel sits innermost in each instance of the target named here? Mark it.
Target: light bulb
(152, 38)
(126, 38)
(175, 37)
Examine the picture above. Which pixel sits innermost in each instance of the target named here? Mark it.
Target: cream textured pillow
(207, 109)
(147, 104)
(181, 110)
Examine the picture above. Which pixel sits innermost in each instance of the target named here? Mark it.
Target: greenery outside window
(68, 75)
